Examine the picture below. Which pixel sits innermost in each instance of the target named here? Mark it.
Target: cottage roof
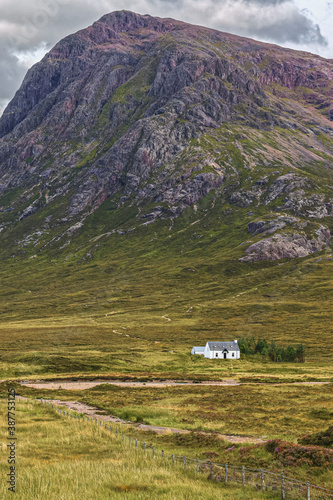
(199, 348)
(220, 346)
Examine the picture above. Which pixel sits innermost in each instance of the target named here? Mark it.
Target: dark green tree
(272, 351)
(300, 353)
(260, 345)
(290, 353)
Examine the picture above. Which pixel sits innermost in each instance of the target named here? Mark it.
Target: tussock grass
(59, 458)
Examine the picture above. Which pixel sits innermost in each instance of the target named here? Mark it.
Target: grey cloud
(277, 23)
(10, 70)
(266, 2)
(3, 104)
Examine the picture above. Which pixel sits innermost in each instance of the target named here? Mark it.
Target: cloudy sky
(29, 28)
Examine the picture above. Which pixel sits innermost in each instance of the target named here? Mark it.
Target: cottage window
(217, 355)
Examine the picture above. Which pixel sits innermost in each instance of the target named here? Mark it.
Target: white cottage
(219, 350)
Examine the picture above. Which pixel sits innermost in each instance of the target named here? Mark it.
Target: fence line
(284, 486)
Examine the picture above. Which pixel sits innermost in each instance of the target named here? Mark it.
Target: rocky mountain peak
(155, 112)
(124, 21)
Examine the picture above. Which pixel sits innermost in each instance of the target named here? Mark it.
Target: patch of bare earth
(81, 385)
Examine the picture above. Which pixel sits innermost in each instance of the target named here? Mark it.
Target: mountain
(139, 121)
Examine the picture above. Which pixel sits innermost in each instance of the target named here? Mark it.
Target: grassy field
(60, 458)
(286, 413)
(79, 319)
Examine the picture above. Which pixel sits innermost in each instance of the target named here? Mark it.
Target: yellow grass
(61, 459)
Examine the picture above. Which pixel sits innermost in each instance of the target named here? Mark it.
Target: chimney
(235, 341)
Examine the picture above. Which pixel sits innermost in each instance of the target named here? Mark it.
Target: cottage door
(225, 355)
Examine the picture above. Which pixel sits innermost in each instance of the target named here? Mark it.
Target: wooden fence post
(136, 443)
(283, 493)
(173, 459)
(129, 439)
(153, 451)
(226, 473)
(243, 475)
(144, 446)
(197, 465)
(162, 454)
(262, 480)
(123, 436)
(184, 462)
(308, 494)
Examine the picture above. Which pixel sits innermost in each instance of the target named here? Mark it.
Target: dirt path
(71, 385)
(81, 385)
(93, 412)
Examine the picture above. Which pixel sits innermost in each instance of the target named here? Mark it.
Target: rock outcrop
(283, 246)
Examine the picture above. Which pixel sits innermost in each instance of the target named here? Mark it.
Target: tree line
(274, 352)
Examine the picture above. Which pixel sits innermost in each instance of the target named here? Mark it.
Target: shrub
(294, 455)
(324, 438)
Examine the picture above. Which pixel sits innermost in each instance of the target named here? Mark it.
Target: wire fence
(283, 486)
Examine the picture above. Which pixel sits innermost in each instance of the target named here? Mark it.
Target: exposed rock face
(283, 246)
(160, 112)
(271, 226)
(285, 184)
(242, 198)
(314, 206)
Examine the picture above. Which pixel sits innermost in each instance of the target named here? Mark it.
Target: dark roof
(220, 346)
